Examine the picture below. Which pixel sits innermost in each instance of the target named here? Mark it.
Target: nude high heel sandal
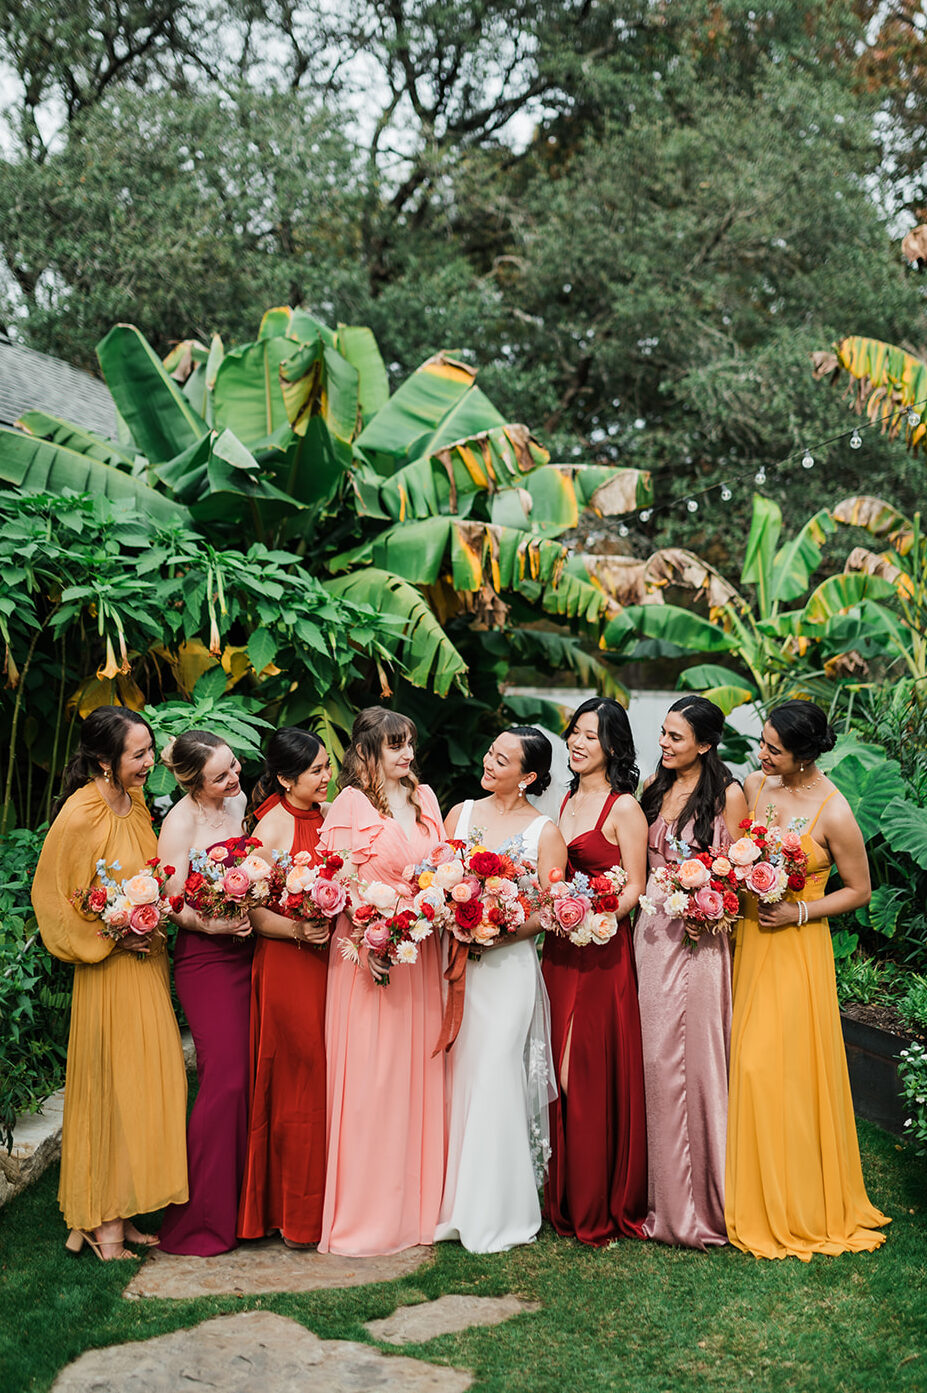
(76, 1239)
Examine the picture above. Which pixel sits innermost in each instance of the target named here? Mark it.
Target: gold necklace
(799, 788)
(216, 824)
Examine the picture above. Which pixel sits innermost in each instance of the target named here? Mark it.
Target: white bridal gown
(500, 1081)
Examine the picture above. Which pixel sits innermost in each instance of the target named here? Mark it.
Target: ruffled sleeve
(85, 831)
(353, 825)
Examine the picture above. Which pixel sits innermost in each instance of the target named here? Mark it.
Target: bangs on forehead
(397, 730)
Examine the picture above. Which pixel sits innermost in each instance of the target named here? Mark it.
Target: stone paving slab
(410, 1325)
(264, 1266)
(255, 1352)
(36, 1145)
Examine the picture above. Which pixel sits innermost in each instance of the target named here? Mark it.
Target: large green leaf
(796, 561)
(704, 675)
(161, 420)
(435, 407)
(765, 529)
(40, 467)
(868, 790)
(888, 377)
(904, 826)
(247, 397)
(728, 698)
(427, 654)
(842, 592)
(358, 345)
(670, 624)
(58, 432)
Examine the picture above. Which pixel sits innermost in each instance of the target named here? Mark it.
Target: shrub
(912, 1071)
(912, 1006)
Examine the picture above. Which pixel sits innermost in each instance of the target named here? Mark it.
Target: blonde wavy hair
(187, 755)
(373, 728)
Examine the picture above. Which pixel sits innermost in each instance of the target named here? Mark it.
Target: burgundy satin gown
(597, 1183)
(213, 980)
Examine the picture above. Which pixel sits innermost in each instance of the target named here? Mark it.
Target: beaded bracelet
(802, 912)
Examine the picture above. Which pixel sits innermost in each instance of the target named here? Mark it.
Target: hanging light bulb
(692, 505)
(623, 529)
(760, 476)
(855, 440)
(726, 494)
(914, 417)
(807, 460)
(646, 515)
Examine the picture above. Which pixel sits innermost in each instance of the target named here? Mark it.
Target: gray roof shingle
(31, 381)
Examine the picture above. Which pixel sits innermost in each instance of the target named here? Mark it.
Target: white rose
(382, 897)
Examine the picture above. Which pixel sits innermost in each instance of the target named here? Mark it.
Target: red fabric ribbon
(455, 974)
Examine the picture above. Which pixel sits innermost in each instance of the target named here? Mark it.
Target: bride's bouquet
(477, 895)
(311, 893)
(583, 909)
(701, 890)
(228, 879)
(768, 861)
(134, 906)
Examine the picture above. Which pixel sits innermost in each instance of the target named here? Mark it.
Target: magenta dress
(685, 1001)
(213, 980)
(385, 1091)
(597, 1182)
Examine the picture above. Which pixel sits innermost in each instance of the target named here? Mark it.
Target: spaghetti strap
(566, 798)
(606, 809)
(757, 798)
(810, 827)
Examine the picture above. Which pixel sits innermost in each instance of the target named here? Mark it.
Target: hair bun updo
(536, 755)
(803, 729)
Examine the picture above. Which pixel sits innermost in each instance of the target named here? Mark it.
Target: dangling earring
(801, 769)
(521, 790)
(287, 787)
(106, 776)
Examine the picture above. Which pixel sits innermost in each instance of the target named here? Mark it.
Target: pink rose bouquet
(384, 927)
(583, 909)
(701, 890)
(134, 906)
(228, 879)
(770, 861)
(475, 894)
(313, 894)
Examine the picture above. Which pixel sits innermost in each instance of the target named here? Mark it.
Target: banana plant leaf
(428, 656)
(670, 624)
(873, 514)
(889, 380)
(357, 344)
(728, 698)
(160, 419)
(58, 432)
(765, 530)
(842, 592)
(705, 675)
(435, 407)
(42, 467)
(247, 398)
(796, 561)
(216, 466)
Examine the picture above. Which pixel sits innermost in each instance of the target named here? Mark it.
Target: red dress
(597, 1182)
(285, 1163)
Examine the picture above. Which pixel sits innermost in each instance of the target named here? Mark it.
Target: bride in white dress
(500, 1075)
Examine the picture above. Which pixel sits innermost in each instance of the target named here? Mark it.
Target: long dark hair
(103, 738)
(709, 795)
(803, 729)
(536, 755)
(616, 740)
(373, 727)
(290, 752)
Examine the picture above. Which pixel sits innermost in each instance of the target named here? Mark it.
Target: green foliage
(233, 718)
(34, 991)
(912, 1004)
(860, 979)
(912, 1072)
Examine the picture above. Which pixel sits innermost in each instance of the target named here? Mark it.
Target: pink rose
(743, 852)
(142, 889)
(255, 867)
(219, 853)
(763, 878)
(462, 892)
(117, 914)
(570, 910)
(329, 896)
(449, 874)
(692, 874)
(791, 842)
(144, 918)
(97, 899)
(376, 937)
(302, 858)
(710, 902)
(236, 883)
(441, 854)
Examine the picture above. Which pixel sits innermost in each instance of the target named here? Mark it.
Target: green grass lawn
(638, 1316)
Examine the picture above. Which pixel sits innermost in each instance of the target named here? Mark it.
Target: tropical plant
(888, 384)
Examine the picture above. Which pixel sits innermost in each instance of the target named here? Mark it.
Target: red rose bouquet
(477, 895)
(228, 879)
(312, 893)
(134, 906)
(583, 909)
(701, 890)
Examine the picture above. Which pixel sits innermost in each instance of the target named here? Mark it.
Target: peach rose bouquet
(226, 880)
(699, 889)
(135, 906)
(583, 909)
(477, 895)
(387, 923)
(769, 861)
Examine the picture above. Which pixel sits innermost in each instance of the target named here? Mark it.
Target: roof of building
(31, 381)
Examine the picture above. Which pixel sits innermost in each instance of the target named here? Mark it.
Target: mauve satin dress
(685, 1001)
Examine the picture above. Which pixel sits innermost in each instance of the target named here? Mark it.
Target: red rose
(731, 903)
(194, 882)
(176, 903)
(485, 863)
(797, 881)
(428, 910)
(96, 900)
(469, 914)
(334, 862)
(496, 915)
(144, 918)
(606, 904)
(364, 913)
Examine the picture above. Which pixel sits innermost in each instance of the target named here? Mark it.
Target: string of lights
(805, 457)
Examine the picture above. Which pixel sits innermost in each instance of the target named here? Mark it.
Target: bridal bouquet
(701, 890)
(136, 905)
(477, 895)
(383, 928)
(768, 861)
(228, 879)
(583, 909)
(314, 894)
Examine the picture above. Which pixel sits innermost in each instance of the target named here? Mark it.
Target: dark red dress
(597, 1182)
(285, 1167)
(213, 980)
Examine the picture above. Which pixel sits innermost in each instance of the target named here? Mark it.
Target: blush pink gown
(385, 1092)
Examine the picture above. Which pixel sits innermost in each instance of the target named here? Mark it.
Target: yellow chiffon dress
(794, 1183)
(123, 1149)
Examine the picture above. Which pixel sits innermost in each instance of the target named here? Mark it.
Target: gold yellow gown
(123, 1149)
(794, 1183)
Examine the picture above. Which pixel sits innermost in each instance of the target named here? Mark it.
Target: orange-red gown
(285, 1165)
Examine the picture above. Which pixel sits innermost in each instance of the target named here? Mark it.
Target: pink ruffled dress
(385, 1092)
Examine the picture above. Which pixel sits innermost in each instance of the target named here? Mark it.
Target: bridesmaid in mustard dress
(122, 1146)
(794, 1183)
